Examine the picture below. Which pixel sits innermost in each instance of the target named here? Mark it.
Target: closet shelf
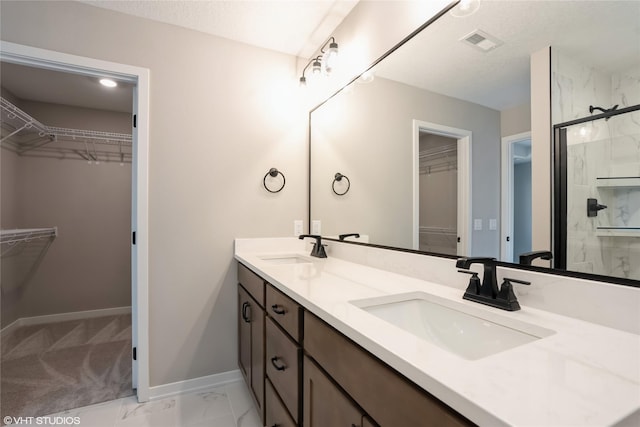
(21, 121)
(438, 230)
(14, 236)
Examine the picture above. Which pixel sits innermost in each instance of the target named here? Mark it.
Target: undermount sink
(286, 259)
(469, 332)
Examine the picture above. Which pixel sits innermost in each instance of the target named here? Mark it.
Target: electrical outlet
(315, 227)
(477, 224)
(297, 227)
(493, 224)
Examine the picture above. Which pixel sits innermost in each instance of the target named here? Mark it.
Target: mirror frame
(555, 167)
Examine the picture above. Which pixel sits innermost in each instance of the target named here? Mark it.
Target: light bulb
(330, 58)
(316, 67)
(108, 83)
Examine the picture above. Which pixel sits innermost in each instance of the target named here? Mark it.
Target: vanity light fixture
(108, 83)
(323, 63)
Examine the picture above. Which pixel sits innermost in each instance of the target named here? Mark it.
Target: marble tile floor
(228, 405)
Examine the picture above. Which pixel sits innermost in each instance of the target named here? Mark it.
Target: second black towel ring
(273, 172)
(338, 178)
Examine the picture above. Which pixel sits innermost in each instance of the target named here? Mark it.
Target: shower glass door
(597, 203)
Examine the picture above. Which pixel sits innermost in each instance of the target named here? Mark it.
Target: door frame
(506, 194)
(58, 61)
(464, 138)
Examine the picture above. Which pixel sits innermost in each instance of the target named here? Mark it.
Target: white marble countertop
(582, 375)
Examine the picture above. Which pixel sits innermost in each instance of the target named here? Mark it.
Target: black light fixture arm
(303, 78)
(331, 41)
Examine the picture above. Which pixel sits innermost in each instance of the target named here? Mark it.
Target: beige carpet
(57, 366)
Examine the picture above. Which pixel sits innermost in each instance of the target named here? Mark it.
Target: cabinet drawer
(252, 283)
(277, 415)
(285, 311)
(283, 367)
(387, 396)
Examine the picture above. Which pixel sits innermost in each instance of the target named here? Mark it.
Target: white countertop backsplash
(586, 373)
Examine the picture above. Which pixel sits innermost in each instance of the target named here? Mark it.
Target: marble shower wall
(600, 149)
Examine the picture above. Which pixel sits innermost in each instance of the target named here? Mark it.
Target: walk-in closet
(65, 215)
(438, 168)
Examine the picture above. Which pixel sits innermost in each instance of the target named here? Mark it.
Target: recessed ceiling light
(108, 83)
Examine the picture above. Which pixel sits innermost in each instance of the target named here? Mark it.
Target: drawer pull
(277, 366)
(277, 309)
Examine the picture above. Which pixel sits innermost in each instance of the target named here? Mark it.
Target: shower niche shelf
(618, 182)
(618, 231)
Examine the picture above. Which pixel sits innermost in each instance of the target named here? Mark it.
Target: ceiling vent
(481, 40)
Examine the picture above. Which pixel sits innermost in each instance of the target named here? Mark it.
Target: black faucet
(344, 236)
(528, 257)
(487, 292)
(318, 248)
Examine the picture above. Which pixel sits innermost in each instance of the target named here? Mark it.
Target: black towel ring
(273, 172)
(338, 177)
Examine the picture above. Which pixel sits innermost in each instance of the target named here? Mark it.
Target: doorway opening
(92, 154)
(442, 189)
(516, 197)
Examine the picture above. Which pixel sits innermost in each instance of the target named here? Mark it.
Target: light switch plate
(493, 224)
(477, 224)
(297, 227)
(315, 227)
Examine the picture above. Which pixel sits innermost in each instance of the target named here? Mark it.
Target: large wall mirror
(435, 139)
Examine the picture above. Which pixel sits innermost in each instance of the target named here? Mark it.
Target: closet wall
(87, 266)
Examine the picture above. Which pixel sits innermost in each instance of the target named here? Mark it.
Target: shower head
(592, 109)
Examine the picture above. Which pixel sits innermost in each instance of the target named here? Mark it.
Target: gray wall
(88, 265)
(217, 124)
(367, 135)
(515, 120)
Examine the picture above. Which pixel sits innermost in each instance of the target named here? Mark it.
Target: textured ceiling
(603, 34)
(296, 27)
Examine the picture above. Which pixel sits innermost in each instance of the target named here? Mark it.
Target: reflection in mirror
(371, 130)
(600, 195)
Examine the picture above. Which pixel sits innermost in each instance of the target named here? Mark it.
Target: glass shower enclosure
(597, 193)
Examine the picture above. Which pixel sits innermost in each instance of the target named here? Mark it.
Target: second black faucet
(318, 248)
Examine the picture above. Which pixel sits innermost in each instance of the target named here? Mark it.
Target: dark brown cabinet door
(324, 404)
(244, 335)
(251, 346)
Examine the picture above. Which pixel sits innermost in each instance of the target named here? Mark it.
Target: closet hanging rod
(11, 237)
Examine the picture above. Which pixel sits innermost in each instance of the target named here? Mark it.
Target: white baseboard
(62, 317)
(193, 385)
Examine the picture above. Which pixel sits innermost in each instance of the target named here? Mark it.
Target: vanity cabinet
(302, 372)
(251, 333)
